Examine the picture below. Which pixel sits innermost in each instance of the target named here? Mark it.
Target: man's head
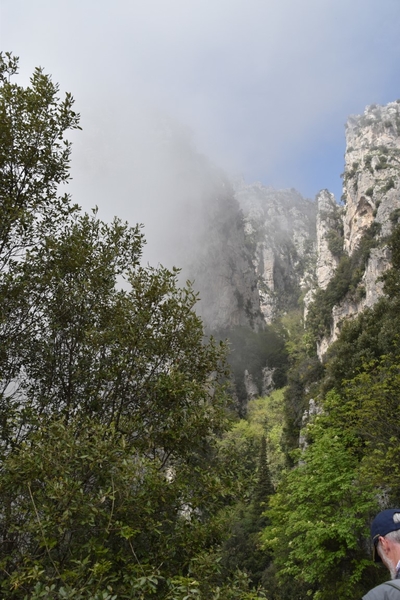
(385, 533)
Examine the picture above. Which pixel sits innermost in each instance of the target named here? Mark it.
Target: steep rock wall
(350, 307)
(371, 183)
(329, 244)
(280, 233)
(252, 250)
(371, 192)
(201, 231)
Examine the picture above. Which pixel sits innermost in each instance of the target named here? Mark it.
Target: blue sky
(262, 87)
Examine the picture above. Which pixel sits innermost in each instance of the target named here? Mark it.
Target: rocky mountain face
(250, 264)
(371, 195)
(280, 231)
(259, 250)
(372, 169)
(329, 243)
(255, 257)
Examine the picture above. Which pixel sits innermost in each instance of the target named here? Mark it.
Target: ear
(384, 545)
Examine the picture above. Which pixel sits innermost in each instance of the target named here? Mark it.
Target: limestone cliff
(371, 193)
(371, 187)
(280, 232)
(253, 251)
(251, 263)
(255, 255)
(329, 244)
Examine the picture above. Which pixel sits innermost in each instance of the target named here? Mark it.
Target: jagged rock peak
(371, 187)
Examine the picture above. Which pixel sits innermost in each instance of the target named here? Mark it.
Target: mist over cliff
(256, 254)
(134, 462)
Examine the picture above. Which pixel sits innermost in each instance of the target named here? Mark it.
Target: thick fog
(261, 88)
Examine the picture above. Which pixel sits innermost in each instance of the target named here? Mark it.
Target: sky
(262, 88)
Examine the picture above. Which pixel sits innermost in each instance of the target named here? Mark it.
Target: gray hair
(394, 536)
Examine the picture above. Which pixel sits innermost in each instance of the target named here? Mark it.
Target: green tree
(34, 157)
(243, 547)
(102, 361)
(34, 161)
(111, 401)
(370, 401)
(264, 488)
(349, 469)
(319, 518)
(247, 446)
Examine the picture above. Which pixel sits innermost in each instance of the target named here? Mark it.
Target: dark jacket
(386, 591)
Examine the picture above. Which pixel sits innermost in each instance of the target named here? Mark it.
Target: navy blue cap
(385, 522)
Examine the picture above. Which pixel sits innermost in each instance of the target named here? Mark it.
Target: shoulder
(384, 592)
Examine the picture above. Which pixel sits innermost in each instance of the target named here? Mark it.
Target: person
(385, 534)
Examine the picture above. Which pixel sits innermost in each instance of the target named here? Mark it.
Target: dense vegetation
(112, 405)
(349, 467)
(124, 473)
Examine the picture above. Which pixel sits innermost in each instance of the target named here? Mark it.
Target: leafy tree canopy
(111, 401)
